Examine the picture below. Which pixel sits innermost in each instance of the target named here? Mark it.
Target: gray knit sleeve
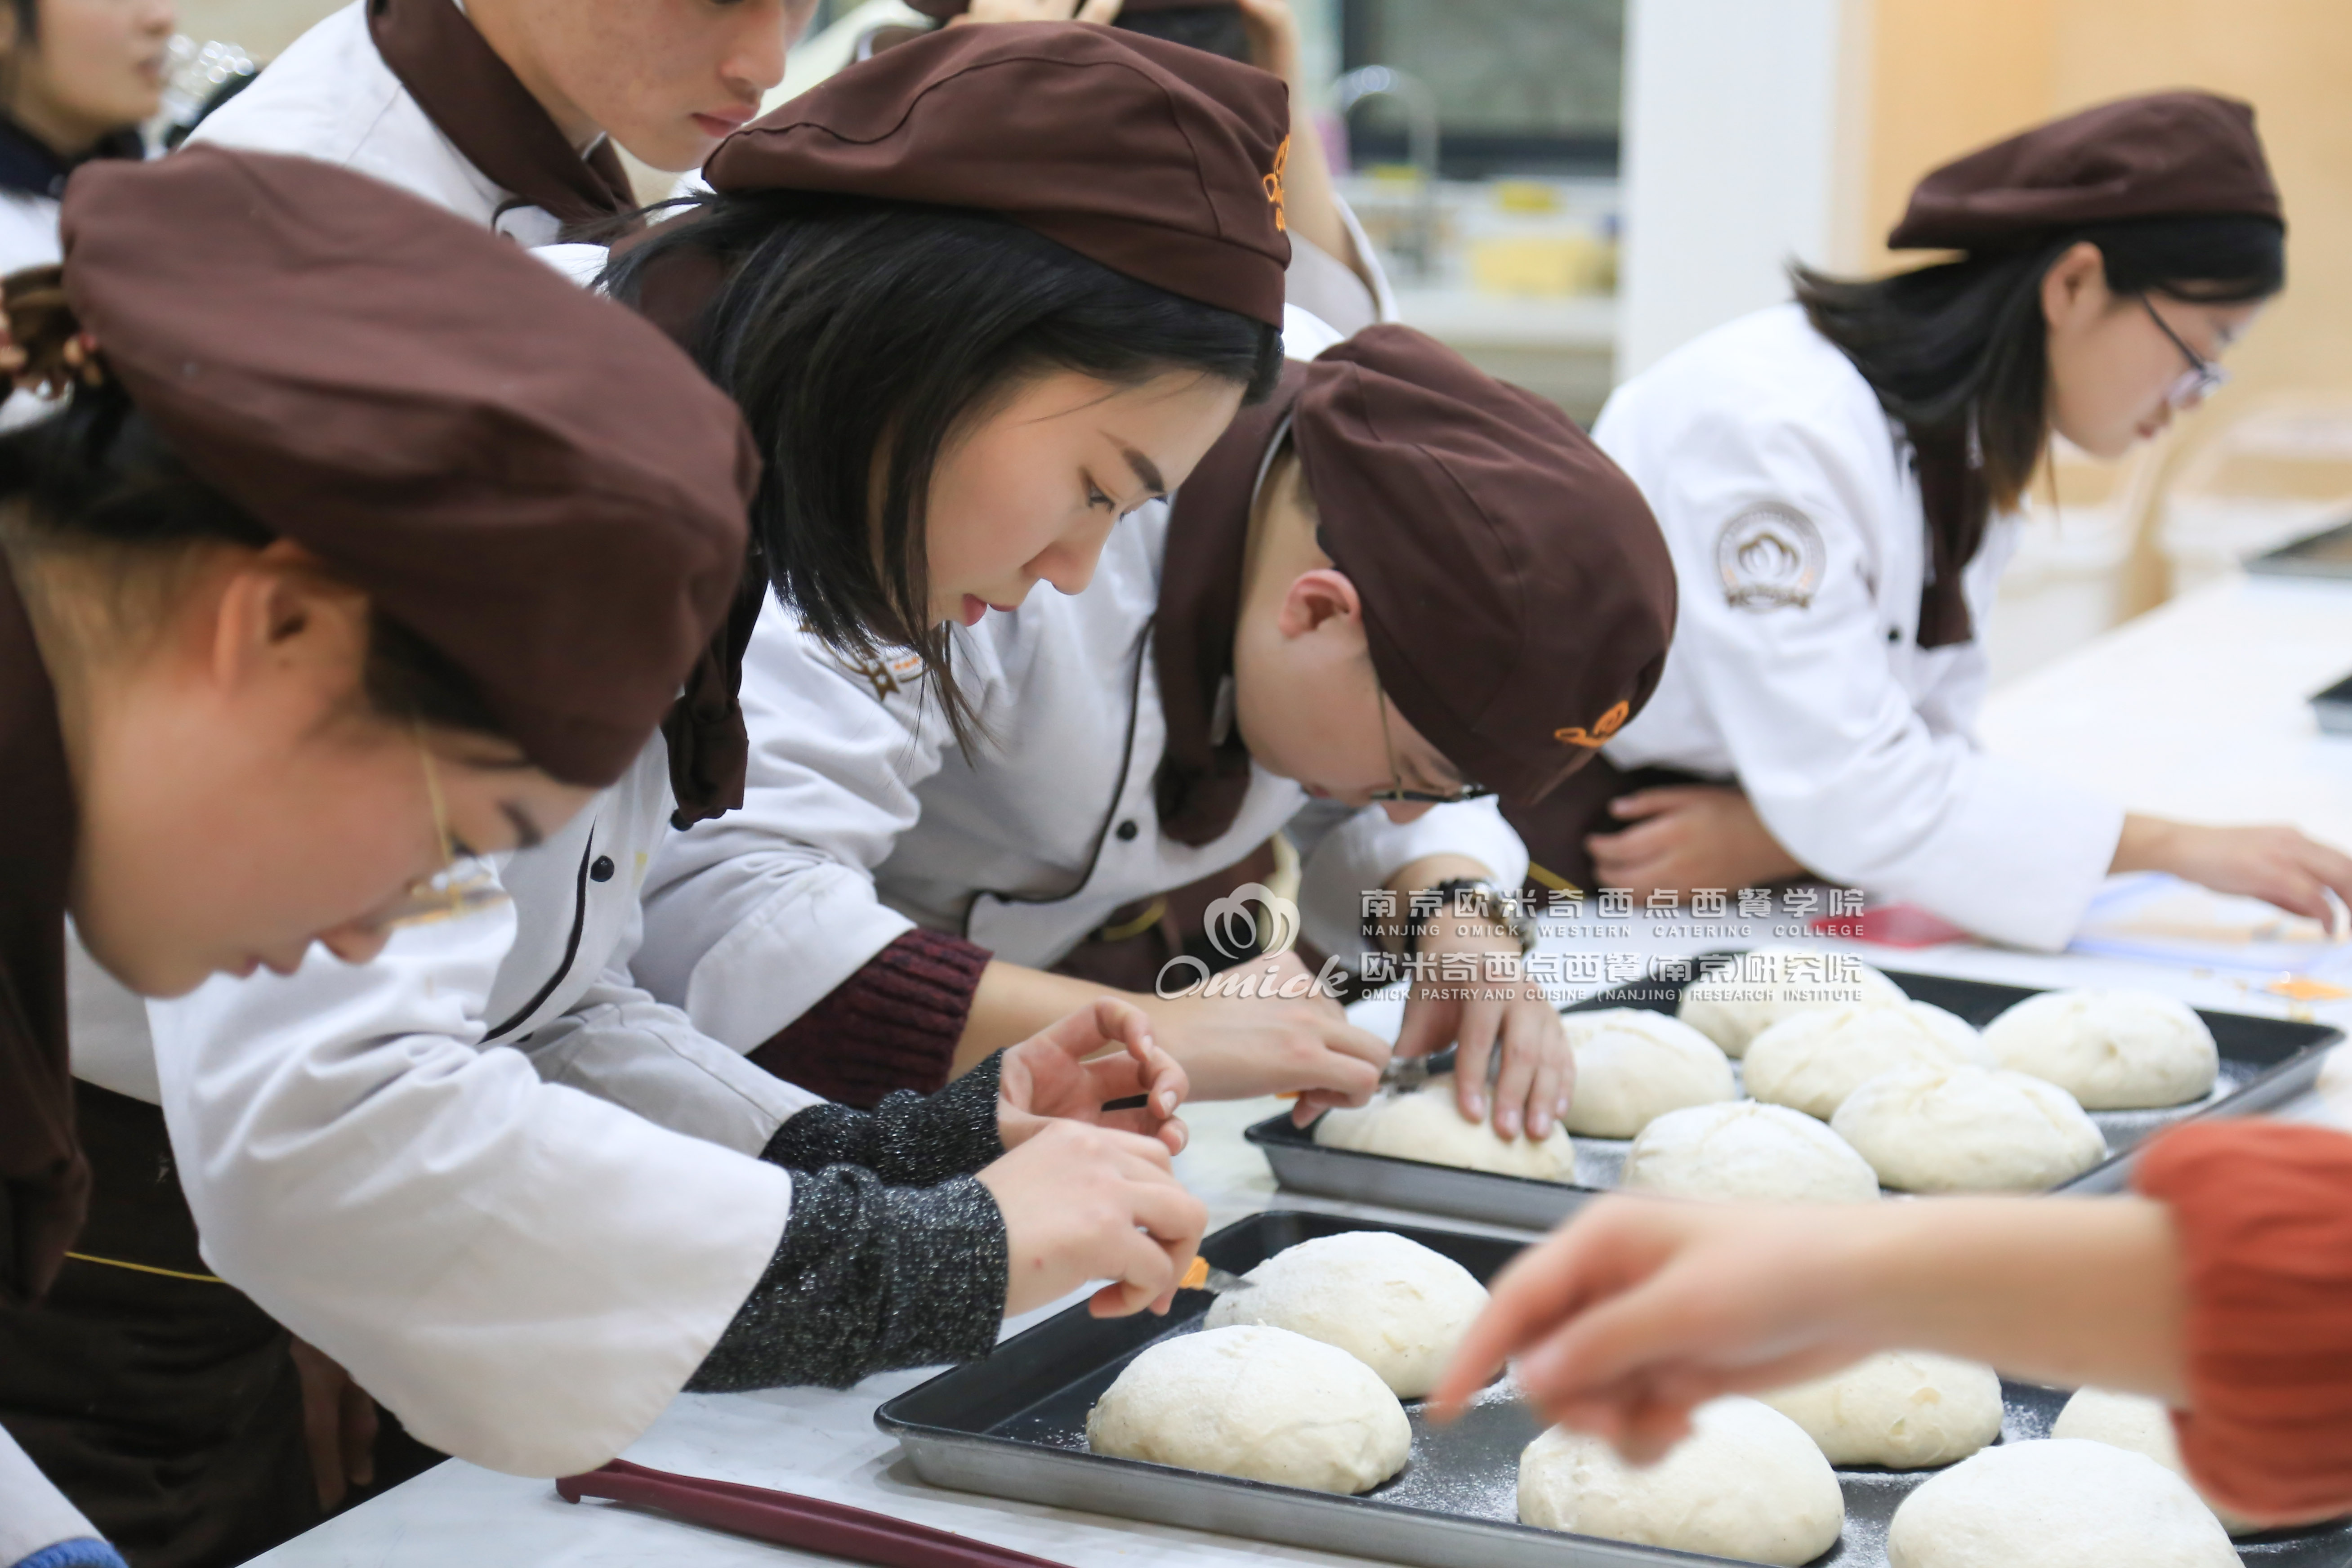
(868, 1277)
(909, 1139)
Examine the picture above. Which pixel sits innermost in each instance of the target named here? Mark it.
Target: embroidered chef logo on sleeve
(1602, 728)
(1769, 558)
(1273, 182)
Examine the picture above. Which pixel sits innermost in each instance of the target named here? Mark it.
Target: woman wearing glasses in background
(1838, 478)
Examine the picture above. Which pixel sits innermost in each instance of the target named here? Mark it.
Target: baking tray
(2327, 553)
(2264, 1063)
(1013, 1425)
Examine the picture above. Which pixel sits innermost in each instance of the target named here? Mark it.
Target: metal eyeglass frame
(2200, 381)
(1396, 793)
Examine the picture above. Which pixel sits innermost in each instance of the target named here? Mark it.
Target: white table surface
(2193, 710)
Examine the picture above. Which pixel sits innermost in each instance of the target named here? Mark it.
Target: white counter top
(2195, 711)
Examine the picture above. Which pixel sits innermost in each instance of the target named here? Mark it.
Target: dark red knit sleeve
(893, 1024)
(2264, 1211)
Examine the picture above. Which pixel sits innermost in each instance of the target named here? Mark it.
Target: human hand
(1687, 835)
(1086, 1203)
(1103, 11)
(1048, 1077)
(1499, 1007)
(339, 1426)
(2276, 864)
(1236, 1048)
(1640, 1308)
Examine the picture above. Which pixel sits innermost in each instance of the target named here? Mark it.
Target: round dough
(1968, 1129)
(1633, 1065)
(2063, 1503)
(1263, 1404)
(1425, 1125)
(2112, 1050)
(1391, 1303)
(2143, 1425)
(1748, 1483)
(1812, 1061)
(1767, 1154)
(1904, 1409)
(1767, 988)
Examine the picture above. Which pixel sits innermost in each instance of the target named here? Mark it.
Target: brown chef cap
(1159, 161)
(1517, 593)
(2167, 154)
(530, 479)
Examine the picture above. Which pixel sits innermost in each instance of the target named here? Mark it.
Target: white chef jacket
(33, 1515)
(524, 1272)
(862, 820)
(1787, 497)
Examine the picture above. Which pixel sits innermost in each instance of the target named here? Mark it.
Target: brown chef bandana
(1159, 161)
(943, 9)
(2167, 154)
(1517, 593)
(476, 100)
(44, 1179)
(530, 479)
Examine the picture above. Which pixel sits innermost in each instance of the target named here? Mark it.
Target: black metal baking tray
(2264, 1062)
(2333, 708)
(1014, 1427)
(2327, 553)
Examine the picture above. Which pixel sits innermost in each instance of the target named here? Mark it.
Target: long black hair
(860, 336)
(98, 477)
(1965, 339)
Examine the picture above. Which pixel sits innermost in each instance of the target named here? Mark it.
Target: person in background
(2223, 1287)
(77, 77)
(1397, 586)
(1838, 478)
(255, 695)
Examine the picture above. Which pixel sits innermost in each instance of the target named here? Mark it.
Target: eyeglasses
(463, 885)
(2200, 381)
(1397, 794)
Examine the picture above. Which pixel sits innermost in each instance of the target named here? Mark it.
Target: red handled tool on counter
(810, 1524)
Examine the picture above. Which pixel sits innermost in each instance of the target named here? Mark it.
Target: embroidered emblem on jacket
(1770, 558)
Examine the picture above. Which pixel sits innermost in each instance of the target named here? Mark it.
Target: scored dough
(1906, 1410)
(1767, 1154)
(2112, 1050)
(2059, 1504)
(1633, 1065)
(1812, 1061)
(1748, 1483)
(1968, 1129)
(1263, 1404)
(1393, 1304)
(2143, 1425)
(1425, 1125)
(1767, 987)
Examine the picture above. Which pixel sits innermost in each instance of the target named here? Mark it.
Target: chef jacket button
(602, 872)
(1126, 831)
(1895, 633)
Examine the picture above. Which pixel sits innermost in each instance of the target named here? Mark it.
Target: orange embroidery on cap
(1273, 184)
(1608, 724)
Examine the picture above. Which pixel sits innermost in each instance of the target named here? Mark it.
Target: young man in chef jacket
(1400, 586)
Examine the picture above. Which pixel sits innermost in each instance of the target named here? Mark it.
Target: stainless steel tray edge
(1518, 1201)
(2273, 1088)
(1220, 1505)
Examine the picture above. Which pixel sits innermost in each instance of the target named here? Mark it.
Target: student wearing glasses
(1838, 478)
(1396, 588)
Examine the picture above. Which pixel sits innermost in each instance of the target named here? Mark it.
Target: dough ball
(1425, 1125)
(1393, 1304)
(1968, 1129)
(2143, 1425)
(1633, 1065)
(2112, 1050)
(1263, 1404)
(1812, 1061)
(1904, 1409)
(1748, 1483)
(1767, 1154)
(1768, 987)
(2063, 1503)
